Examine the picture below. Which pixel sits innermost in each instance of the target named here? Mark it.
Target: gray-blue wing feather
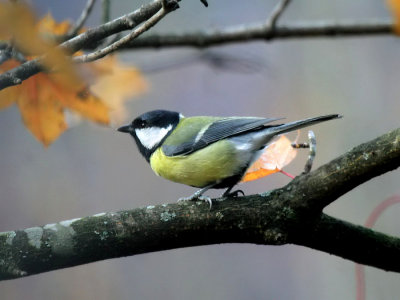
(217, 131)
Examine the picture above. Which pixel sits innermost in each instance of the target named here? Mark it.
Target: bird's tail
(280, 129)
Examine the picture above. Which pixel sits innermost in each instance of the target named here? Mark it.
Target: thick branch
(262, 32)
(346, 172)
(352, 242)
(272, 218)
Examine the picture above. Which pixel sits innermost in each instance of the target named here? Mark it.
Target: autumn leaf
(18, 24)
(276, 156)
(42, 101)
(394, 7)
(44, 98)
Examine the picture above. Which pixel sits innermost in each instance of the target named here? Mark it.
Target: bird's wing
(218, 130)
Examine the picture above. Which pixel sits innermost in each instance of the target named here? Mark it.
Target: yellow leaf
(48, 26)
(40, 111)
(82, 102)
(116, 84)
(18, 23)
(42, 101)
(277, 155)
(394, 7)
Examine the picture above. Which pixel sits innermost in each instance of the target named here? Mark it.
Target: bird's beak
(126, 128)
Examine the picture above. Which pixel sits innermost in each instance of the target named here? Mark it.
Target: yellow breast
(209, 165)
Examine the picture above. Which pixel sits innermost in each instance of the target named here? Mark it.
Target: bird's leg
(312, 146)
(199, 196)
(228, 192)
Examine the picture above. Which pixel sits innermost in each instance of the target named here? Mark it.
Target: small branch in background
(312, 146)
(204, 2)
(105, 11)
(167, 7)
(261, 32)
(276, 13)
(8, 51)
(5, 53)
(347, 171)
(81, 20)
(94, 35)
(373, 217)
(244, 33)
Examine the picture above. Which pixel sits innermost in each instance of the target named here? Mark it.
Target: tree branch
(348, 171)
(276, 13)
(167, 7)
(262, 32)
(352, 242)
(81, 21)
(243, 33)
(291, 214)
(91, 36)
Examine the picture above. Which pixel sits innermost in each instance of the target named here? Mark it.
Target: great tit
(206, 152)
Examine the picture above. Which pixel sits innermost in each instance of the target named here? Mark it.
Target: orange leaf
(48, 26)
(82, 102)
(394, 7)
(18, 23)
(277, 155)
(41, 112)
(42, 101)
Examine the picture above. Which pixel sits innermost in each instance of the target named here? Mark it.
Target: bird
(205, 151)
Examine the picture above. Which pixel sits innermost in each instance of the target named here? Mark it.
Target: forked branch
(289, 215)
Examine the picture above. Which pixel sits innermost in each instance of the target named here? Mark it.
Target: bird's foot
(233, 194)
(197, 196)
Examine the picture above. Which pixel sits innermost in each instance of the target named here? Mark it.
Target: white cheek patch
(150, 137)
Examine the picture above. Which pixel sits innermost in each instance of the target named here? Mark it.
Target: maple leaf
(394, 7)
(42, 101)
(18, 24)
(44, 98)
(275, 156)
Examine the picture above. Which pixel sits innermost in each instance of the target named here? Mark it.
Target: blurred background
(92, 169)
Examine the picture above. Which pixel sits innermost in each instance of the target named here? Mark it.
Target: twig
(261, 32)
(312, 148)
(204, 2)
(348, 171)
(373, 217)
(276, 13)
(198, 39)
(312, 151)
(5, 54)
(93, 35)
(105, 11)
(81, 21)
(165, 9)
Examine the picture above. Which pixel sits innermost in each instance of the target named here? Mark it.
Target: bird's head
(151, 129)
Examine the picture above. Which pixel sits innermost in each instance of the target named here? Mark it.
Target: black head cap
(162, 121)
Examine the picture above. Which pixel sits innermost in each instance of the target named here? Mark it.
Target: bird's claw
(195, 197)
(233, 194)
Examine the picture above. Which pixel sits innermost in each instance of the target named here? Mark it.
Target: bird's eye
(142, 124)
